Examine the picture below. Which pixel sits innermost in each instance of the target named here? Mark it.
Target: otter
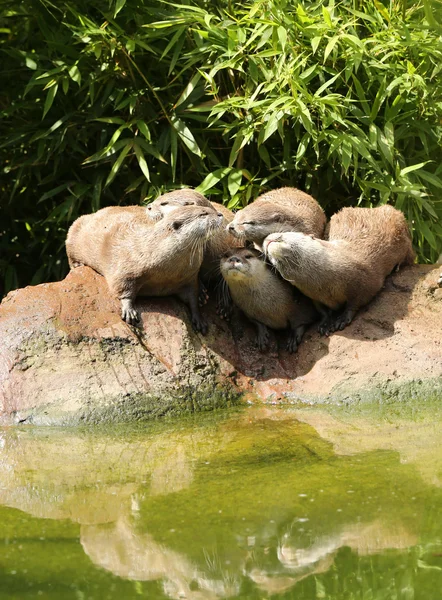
(348, 270)
(265, 298)
(140, 257)
(169, 201)
(218, 244)
(284, 209)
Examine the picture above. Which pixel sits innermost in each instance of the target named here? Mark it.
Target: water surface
(252, 504)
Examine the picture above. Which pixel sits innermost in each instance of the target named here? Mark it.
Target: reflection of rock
(67, 357)
(119, 549)
(417, 439)
(91, 479)
(278, 584)
(362, 538)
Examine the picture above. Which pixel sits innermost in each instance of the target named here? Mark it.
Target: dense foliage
(112, 103)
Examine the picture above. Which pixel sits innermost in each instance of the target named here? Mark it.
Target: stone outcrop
(67, 357)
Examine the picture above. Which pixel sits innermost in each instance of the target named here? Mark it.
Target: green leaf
(315, 43)
(49, 99)
(118, 6)
(185, 134)
(380, 97)
(234, 181)
(431, 178)
(117, 164)
(282, 36)
(55, 191)
(142, 161)
(327, 16)
(413, 167)
(144, 129)
(329, 48)
(302, 147)
(188, 89)
(74, 73)
(428, 234)
(30, 63)
(212, 179)
(130, 45)
(327, 84)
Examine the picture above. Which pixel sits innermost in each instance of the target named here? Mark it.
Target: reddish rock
(67, 357)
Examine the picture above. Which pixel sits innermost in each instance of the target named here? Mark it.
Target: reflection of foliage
(105, 104)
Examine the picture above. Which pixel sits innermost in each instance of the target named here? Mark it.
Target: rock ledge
(66, 357)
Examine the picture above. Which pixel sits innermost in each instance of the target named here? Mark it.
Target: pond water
(255, 503)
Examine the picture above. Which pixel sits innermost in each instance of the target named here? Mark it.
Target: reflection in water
(227, 506)
(118, 548)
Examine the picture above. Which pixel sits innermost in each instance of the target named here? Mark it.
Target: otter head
(193, 222)
(256, 222)
(166, 203)
(291, 247)
(241, 263)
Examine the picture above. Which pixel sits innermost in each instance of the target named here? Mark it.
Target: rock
(66, 357)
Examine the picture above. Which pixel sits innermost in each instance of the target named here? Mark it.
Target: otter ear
(248, 244)
(176, 224)
(277, 217)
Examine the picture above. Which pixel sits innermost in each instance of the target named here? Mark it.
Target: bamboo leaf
(413, 168)
(117, 164)
(329, 48)
(49, 99)
(234, 181)
(142, 161)
(212, 179)
(185, 135)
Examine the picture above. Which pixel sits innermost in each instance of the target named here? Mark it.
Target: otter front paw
(292, 344)
(224, 311)
(262, 340)
(341, 322)
(200, 325)
(203, 294)
(324, 327)
(128, 313)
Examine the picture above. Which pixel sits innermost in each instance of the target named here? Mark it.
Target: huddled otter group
(269, 259)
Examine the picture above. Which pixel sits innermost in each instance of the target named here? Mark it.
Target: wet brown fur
(264, 297)
(140, 257)
(283, 209)
(364, 246)
(218, 244)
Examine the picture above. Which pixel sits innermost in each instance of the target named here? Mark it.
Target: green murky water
(253, 504)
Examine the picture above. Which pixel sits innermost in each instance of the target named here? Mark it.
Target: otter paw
(262, 341)
(340, 323)
(203, 295)
(324, 328)
(130, 315)
(439, 281)
(200, 325)
(292, 344)
(224, 312)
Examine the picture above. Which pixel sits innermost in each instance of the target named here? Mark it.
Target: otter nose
(233, 259)
(230, 227)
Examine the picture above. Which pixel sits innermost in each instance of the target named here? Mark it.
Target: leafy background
(116, 102)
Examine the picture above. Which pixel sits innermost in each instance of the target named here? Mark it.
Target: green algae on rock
(67, 357)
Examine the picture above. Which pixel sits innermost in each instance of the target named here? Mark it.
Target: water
(252, 504)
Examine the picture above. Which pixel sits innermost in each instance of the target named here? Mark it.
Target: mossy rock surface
(67, 357)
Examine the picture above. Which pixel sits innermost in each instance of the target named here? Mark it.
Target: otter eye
(164, 203)
(249, 223)
(186, 203)
(249, 255)
(176, 224)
